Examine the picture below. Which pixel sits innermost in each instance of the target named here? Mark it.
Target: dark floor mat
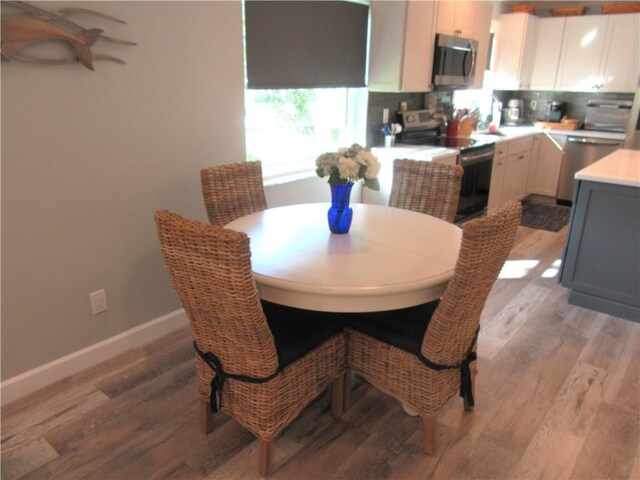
(544, 217)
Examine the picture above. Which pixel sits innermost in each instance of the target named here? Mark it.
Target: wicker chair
(424, 355)
(426, 187)
(232, 190)
(271, 360)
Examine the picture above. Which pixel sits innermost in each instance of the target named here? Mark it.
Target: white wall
(87, 157)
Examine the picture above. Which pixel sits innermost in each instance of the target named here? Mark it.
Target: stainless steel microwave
(454, 61)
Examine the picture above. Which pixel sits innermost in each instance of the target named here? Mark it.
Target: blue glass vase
(340, 213)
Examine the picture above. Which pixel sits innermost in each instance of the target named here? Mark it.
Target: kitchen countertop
(621, 167)
(427, 153)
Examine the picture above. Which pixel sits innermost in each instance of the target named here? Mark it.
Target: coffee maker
(555, 111)
(514, 113)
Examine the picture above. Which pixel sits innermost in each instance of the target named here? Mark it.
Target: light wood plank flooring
(558, 396)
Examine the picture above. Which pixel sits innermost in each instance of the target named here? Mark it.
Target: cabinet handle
(499, 164)
(521, 157)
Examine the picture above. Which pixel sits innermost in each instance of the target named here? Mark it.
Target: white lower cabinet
(497, 176)
(547, 172)
(516, 175)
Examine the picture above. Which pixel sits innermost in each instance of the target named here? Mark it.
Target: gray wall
(87, 157)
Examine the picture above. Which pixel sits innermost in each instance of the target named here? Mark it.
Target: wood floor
(558, 396)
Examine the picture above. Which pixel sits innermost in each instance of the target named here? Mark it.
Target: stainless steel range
(422, 127)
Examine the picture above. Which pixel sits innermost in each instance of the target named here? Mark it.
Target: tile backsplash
(576, 101)
(576, 105)
(378, 102)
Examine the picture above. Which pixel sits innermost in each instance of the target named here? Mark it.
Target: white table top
(621, 167)
(391, 258)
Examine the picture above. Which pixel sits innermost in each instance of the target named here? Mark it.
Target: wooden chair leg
(206, 418)
(347, 390)
(264, 457)
(337, 397)
(430, 433)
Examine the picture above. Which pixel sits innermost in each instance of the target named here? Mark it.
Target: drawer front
(521, 145)
(501, 150)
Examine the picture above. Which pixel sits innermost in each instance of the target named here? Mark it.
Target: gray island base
(601, 261)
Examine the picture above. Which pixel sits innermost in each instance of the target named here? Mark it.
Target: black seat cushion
(297, 332)
(403, 328)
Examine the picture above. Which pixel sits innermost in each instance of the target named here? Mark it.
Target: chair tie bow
(219, 377)
(466, 390)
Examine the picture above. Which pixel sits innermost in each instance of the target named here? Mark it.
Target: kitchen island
(601, 261)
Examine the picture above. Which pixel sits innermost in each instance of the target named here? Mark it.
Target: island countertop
(621, 167)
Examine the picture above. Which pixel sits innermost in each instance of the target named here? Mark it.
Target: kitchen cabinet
(516, 172)
(497, 177)
(600, 53)
(457, 18)
(621, 61)
(533, 165)
(547, 53)
(402, 44)
(548, 164)
(482, 33)
(517, 37)
(601, 261)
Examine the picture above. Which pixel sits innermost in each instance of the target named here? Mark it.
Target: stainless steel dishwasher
(579, 152)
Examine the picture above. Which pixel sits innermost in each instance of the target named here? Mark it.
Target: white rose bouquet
(349, 165)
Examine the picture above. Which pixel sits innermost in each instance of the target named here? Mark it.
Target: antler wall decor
(34, 25)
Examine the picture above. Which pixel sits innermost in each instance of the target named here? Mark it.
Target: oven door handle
(470, 159)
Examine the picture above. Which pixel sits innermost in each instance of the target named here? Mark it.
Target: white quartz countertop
(621, 167)
(414, 152)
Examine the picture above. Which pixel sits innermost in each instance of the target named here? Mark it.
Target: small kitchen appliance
(608, 115)
(514, 113)
(555, 111)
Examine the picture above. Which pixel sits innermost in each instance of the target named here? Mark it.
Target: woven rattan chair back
(426, 187)
(232, 190)
(486, 243)
(210, 268)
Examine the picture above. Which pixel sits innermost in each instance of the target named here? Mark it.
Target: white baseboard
(27, 382)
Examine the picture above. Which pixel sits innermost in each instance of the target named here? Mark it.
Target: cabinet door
(418, 48)
(497, 177)
(515, 176)
(620, 63)
(547, 172)
(387, 45)
(547, 53)
(582, 48)
(456, 17)
(533, 164)
(482, 29)
(514, 52)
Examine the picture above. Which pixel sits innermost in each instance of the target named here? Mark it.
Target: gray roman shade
(306, 44)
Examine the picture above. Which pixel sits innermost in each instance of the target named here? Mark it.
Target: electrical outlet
(534, 105)
(385, 115)
(98, 302)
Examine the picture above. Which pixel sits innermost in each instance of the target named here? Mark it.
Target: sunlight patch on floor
(517, 268)
(553, 270)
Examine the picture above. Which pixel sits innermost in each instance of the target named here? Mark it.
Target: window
(306, 67)
(287, 129)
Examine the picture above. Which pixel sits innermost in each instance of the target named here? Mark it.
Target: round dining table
(391, 258)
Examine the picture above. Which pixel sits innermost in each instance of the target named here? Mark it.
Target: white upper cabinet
(457, 18)
(515, 51)
(401, 48)
(482, 33)
(620, 64)
(547, 53)
(600, 53)
(582, 49)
